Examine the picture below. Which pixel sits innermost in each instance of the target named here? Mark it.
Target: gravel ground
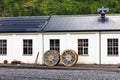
(38, 74)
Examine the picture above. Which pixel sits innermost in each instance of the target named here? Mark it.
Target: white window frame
(113, 47)
(83, 46)
(55, 46)
(28, 46)
(3, 47)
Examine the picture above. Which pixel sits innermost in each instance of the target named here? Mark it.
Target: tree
(55, 7)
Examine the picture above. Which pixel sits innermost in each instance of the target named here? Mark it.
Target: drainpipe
(42, 46)
(99, 47)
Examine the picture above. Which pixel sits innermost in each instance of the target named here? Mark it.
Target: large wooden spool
(51, 57)
(69, 57)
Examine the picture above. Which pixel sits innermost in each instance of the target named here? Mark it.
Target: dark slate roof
(23, 24)
(68, 23)
(83, 23)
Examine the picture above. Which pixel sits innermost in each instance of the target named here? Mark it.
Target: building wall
(59, 36)
(93, 47)
(15, 48)
(97, 49)
(10, 49)
(105, 59)
(69, 41)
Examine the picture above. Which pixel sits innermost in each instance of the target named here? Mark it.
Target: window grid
(83, 46)
(3, 47)
(55, 44)
(112, 47)
(27, 47)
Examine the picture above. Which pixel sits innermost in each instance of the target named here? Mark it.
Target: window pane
(30, 42)
(56, 41)
(85, 50)
(109, 40)
(109, 43)
(25, 50)
(79, 43)
(115, 43)
(115, 40)
(52, 42)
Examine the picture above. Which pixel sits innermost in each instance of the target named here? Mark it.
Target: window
(83, 46)
(112, 47)
(55, 44)
(3, 47)
(27, 47)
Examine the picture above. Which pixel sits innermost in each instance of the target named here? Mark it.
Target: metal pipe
(99, 47)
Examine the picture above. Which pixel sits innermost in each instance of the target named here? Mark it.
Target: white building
(96, 41)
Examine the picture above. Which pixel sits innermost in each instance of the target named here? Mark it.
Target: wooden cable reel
(69, 57)
(51, 57)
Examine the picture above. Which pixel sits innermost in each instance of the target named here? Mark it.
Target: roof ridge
(84, 15)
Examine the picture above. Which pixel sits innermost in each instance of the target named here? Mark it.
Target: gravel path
(36, 74)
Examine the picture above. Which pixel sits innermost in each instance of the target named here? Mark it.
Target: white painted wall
(93, 47)
(97, 52)
(10, 49)
(15, 48)
(69, 41)
(49, 36)
(105, 59)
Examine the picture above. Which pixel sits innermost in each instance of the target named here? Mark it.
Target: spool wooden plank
(51, 57)
(69, 57)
